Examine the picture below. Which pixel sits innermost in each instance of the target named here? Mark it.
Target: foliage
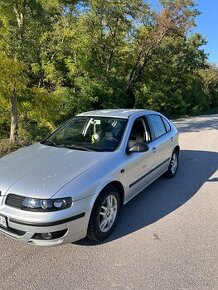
(210, 85)
(6, 147)
(60, 57)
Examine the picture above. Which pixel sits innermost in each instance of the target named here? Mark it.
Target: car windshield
(89, 134)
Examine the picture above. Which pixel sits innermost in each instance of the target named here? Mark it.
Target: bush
(6, 147)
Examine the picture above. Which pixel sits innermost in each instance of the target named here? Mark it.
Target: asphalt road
(166, 238)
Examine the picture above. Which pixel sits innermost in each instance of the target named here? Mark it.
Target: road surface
(166, 238)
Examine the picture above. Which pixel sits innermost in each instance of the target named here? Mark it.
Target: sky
(207, 26)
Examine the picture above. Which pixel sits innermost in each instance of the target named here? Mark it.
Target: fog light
(49, 236)
(46, 236)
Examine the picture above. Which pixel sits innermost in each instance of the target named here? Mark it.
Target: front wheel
(173, 166)
(105, 214)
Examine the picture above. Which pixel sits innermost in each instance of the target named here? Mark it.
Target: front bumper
(65, 226)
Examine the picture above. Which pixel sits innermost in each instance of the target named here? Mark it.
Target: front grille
(14, 200)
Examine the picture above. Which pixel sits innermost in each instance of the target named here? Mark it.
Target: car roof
(116, 113)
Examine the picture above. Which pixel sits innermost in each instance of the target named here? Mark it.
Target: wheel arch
(116, 184)
(177, 148)
(120, 187)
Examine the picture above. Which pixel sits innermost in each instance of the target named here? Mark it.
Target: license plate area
(3, 222)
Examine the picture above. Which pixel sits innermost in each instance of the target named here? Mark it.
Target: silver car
(73, 184)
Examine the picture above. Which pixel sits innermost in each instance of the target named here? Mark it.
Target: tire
(173, 166)
(105, 214)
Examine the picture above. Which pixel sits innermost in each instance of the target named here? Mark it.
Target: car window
(157, 125)
(139, 133)
(93, 133)
(167, 125)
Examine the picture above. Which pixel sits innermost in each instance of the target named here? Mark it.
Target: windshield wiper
(73, 146)
(49, 143)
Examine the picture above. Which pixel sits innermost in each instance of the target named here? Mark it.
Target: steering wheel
(112, 139)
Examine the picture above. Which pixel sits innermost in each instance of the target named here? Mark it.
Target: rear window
(157, 125)
(167, 125)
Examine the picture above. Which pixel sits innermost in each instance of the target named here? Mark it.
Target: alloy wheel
(174, 163)
(108, 213)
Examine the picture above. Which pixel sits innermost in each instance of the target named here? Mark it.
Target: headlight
(35, 204)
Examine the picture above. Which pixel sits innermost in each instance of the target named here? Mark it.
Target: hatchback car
(73, 184)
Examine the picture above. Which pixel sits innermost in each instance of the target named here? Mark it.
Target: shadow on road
(165, 195)
(202, 124)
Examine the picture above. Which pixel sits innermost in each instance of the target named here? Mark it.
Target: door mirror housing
(137, 147)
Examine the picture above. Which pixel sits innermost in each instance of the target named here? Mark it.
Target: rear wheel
(105, 214)
(173, 166)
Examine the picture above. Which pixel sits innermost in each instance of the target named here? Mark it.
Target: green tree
(15, 26)
(12, 84)
(172, 83)
(210, 86)
(60, 57)
(23, 25)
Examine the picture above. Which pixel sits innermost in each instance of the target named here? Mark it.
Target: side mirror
(137, 147)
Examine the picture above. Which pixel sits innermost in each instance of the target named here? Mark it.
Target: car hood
(39, 171)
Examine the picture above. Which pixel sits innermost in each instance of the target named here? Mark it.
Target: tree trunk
(14, 119)
(19, 12)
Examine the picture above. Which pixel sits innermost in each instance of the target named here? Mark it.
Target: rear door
(161, 144)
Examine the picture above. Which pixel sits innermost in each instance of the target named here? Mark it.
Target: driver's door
(139, 164)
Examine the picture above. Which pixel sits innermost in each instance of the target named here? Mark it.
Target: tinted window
(167, 125)
(157, 124)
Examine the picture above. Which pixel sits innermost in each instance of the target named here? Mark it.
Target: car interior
(139, 133)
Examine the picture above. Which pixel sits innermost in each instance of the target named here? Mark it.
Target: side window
(157, 125)
(167, 125)
(139, 133)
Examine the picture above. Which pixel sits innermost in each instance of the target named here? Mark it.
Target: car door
(138, 164)
(161, 143)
